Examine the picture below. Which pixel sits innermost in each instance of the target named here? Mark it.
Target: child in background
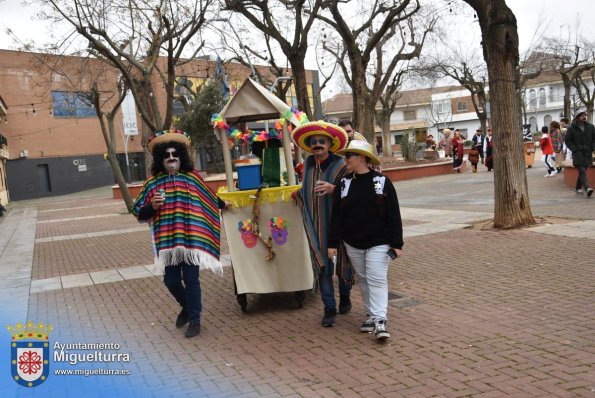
(548, 152)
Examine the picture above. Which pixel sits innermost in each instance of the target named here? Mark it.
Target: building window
(462, 106)
(73, 104)
(441, 107)
(547, 120)
(542, 97)
(532, 99)
(409, 115)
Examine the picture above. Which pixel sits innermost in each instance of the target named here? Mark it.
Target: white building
(429, 110)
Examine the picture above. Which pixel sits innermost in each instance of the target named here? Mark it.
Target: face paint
(171, 160)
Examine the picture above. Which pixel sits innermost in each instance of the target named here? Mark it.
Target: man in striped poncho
(185, 224)
(315, 199)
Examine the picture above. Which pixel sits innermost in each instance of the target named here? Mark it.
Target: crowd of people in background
(559, 142)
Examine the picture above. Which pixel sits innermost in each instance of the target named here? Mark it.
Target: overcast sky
(559, 17)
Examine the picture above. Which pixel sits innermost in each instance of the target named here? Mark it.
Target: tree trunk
(113, 161)
(369, 119)
(566, 83)
(301, 88)
(512, 207)
(358, 89)
(387, 148)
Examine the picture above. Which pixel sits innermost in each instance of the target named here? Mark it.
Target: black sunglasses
(172, 154)
(349, 155)
(314, 141)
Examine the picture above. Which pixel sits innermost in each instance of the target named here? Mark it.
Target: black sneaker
(182, 318)
(367, 327)
(328, 319)
(381, 332)
(344, 305)
(193, 330)
(589, 192)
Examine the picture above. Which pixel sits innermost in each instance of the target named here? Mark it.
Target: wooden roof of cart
(252, 102)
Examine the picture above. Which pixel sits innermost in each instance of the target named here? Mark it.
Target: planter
(529, 152)
(394, 173)
(213, 182)
(423, 170)
(571, 175)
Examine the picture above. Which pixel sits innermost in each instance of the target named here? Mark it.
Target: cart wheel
(530, 166)
(300, 297)
(243, 301)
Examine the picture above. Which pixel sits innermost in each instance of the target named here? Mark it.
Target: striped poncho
(186, 228)
(316, 213)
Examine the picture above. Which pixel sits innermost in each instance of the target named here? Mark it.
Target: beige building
(413, 112)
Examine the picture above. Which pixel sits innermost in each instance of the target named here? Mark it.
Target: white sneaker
(381, 332)
(589, 192)
(578, 191)
(367, 327)
(547, 175)
(554, 173)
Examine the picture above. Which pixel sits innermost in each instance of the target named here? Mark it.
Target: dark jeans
(581, 181)
(187, 294)
(327, 290)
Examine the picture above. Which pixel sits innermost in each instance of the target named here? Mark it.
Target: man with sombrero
(321, 170)
(183, 215)
(366, 219)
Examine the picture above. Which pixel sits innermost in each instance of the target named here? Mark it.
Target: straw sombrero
(171, 135)
(361, 148)
(337, 135)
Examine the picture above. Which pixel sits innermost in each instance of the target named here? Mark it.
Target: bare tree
(388, 101)
(268, 56)
(262, 14)
(571, 58)
(585, 88)
(132, 37)
(470, 72)
(108, 129)
(500, 42)
(440, 117)
(380, 26)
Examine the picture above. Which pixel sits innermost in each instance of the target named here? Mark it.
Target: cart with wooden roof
(264, 230)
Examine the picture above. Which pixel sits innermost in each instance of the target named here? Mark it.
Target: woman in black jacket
(367, 219)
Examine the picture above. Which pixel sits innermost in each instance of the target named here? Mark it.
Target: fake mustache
(317, 147)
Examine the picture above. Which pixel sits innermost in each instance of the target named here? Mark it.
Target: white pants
(371, 266)
(549, 160)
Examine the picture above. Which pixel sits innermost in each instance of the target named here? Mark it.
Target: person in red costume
(547, 149)
(457, 152)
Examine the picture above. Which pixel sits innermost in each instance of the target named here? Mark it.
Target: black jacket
(365, 218)
(581, 143)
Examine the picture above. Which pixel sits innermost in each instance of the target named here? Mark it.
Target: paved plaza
(474, 312)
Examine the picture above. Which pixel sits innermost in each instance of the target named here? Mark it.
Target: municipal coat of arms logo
(30, 353)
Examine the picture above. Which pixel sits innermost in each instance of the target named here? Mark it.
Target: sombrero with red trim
(171, 135)
(337, 135)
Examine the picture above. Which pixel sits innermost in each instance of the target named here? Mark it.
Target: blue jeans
(187, 294)
(327, 290)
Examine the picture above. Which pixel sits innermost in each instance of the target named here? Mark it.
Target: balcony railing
(543, 103)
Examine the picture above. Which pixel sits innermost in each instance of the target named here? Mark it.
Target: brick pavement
(483, 313)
